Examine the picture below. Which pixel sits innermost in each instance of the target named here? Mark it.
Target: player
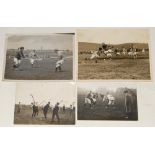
(19, 108)
(71, 110)
(128, 103)
(59, 64)
(45, 109)
(18, 56)
(33, 56)
(56, 112)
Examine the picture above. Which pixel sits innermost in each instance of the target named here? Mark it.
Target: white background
(70, 140)
(145, 90)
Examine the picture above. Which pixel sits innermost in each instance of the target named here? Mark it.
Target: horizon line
(114, 43)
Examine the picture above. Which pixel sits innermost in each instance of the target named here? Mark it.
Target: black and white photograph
(113, 53)
(45, 104)
(107, 101)
(39, 57)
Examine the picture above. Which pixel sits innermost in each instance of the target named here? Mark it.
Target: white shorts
(94, 56)
(16, 61)
(57, 65)
(32, 61)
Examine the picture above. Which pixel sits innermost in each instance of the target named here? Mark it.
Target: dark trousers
(128, 107)
(45, 114)
(57, 116)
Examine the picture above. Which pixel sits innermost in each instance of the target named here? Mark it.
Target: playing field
(136, 69)
(42, 70)
(25, 117)
(120, 67)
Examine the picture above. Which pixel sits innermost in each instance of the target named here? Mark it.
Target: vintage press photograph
(113, 53)
(39, 57)
(45, 104)
(107, 101)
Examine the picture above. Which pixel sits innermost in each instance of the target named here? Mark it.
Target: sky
(110, 86)
(53, 92)
(113, 35)
(54, 41)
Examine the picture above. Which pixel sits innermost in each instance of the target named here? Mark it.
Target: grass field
(120, 67)
(25, 117)
(138, 69)
(99, 112)
(43, 70)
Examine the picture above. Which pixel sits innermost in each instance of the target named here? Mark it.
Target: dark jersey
(128, 99)
(46, 107)
(104, 46)
(19, 55)
(90, 95)
(56, 109)
(35, 108)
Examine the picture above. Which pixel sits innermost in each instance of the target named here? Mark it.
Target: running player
(18, 56)
(59, 64)
(33, 56)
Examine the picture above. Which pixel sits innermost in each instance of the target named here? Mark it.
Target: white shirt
(59, 62)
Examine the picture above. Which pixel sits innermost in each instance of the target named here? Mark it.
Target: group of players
(55, 110)
(19, 55)
(128, 102)
(109, 51)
